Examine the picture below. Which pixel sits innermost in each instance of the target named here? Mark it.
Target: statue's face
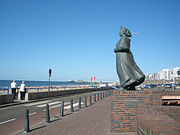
(124, 31)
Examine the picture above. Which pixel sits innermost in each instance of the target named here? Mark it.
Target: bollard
(72, 109)
(98, 97)
(90, 101)
(4, 90)
(8, 91)
(62, 109)
(101, 95)
(47, 114)
(26, 124)
(79, 102)
(94, 98)
(85, 101)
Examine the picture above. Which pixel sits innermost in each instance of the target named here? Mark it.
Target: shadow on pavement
(38, 128)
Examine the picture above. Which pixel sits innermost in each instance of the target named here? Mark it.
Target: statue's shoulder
(125, 38)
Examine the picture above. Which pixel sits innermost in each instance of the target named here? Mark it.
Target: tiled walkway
(93, 120)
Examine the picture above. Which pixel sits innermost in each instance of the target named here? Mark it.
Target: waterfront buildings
(165, 74)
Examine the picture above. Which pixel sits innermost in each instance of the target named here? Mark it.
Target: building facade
(165, 74)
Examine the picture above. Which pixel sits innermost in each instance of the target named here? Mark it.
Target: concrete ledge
(149, 118)
(4, 99)
(172, 111)
(170, 97)
(41, 95)
(152, 120)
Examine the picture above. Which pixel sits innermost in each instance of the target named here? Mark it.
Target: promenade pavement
(92, 120)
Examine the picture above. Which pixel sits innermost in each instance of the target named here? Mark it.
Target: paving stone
(93, 120)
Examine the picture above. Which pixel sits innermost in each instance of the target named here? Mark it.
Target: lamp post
(178, 74)
(174, 83)
(50, 72)
(174, 80)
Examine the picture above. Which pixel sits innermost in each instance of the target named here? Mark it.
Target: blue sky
(76, 38)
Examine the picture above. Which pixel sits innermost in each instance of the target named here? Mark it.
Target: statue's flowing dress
(129, 73)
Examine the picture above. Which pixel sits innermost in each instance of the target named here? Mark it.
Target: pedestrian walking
(13, 87)
(22, 90)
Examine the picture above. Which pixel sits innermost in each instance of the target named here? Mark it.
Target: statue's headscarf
(125, 31)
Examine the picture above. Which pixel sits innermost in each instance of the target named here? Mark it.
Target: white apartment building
(165, 74)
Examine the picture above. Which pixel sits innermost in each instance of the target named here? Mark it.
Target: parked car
(167, 85)
(150, 86)
(103, 85)
(117, 86)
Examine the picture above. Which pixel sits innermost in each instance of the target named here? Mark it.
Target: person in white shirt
(22, 90)
(13, 88)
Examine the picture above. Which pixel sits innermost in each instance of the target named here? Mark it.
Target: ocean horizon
(6, 83)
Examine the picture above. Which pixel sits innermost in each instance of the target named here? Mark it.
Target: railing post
(62, 109)
(47, 114)
(26, 124)
(72, 109)
(8, 91)
(98, 97)
(94, 98)
(79, 102)
(90, 101)
(85, 101)
(101, 95)
(4, 90)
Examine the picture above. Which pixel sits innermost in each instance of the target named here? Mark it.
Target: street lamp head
(50, 72)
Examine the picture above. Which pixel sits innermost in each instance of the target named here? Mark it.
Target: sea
(6, 83)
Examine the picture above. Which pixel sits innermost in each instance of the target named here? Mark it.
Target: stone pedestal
(123, 109)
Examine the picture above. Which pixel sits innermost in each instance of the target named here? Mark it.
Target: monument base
(123, 109)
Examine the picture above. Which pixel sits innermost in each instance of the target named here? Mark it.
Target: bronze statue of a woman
(129, 73)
